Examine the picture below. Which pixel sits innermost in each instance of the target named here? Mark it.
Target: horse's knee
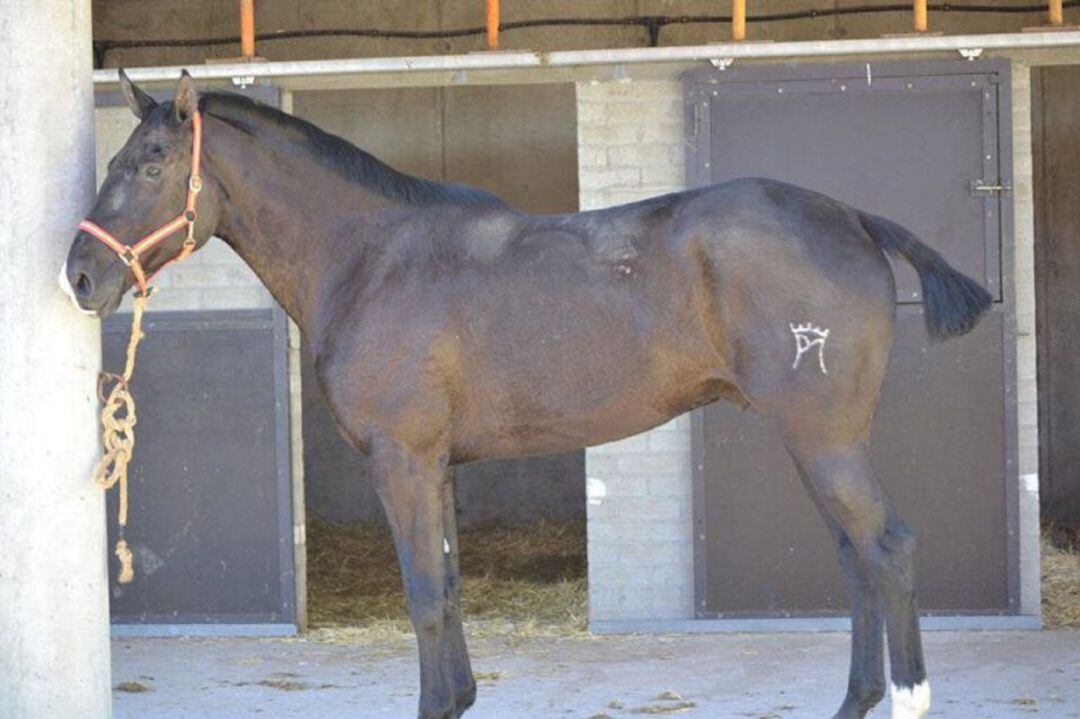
(899, 541)
(897, 545)
(429, 618)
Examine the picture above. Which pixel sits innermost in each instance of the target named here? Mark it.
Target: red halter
(131, 254)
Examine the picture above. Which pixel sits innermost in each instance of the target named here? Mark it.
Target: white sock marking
(65, 285)
(911, 702)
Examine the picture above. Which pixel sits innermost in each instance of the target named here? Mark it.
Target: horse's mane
(265, 122)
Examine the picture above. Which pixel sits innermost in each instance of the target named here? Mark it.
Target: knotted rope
(118, 435)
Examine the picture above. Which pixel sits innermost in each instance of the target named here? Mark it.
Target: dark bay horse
(448, 327)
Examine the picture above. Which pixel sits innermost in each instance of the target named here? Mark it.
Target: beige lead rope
(118, 435)
(118, 414)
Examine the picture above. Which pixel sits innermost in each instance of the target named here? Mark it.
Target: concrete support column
(54, 632)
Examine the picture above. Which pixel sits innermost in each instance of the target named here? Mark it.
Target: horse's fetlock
(870, 695)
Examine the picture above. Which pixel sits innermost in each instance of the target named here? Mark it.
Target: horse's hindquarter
(807, 298)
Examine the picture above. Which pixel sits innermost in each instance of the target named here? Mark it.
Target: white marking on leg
(445, 545)
(911, 702)
(595, 490)
(808, 336)
(65, 285)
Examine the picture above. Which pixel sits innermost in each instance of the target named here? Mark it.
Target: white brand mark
(808, 336)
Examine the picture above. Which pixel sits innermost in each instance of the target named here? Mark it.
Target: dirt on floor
(974, 675)
(523, 579)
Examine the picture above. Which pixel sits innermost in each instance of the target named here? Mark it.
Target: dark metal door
(1055, 129)
(211, 514)
(915, 143)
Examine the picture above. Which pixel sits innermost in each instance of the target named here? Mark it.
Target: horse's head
(147, 189)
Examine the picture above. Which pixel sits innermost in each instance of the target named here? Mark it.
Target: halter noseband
(131, 255)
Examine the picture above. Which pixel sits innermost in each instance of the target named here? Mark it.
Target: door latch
(982, 188)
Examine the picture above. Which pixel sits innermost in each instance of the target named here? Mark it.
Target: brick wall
(1027, 395)
(640, 491)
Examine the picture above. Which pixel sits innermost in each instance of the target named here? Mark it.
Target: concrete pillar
(54, 632)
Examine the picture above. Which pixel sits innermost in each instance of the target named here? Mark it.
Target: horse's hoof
(439, 714)
(466, 699)
(856, 708)
(848, 711)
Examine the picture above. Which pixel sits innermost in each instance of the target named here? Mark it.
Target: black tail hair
(953, 302)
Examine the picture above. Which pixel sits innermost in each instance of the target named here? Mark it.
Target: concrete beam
(54, 630)
(1061, 47)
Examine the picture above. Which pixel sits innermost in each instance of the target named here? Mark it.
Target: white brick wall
(1026, 389)
(214, 278)
(640, 511)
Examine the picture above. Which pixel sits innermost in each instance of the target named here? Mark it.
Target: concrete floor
(974, 676)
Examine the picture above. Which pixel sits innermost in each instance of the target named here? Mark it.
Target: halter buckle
(195, 184)
(189, 241)
(128, 256)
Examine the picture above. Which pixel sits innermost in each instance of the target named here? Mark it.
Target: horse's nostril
(83, 286)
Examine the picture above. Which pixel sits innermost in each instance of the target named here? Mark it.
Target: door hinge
(982, 188)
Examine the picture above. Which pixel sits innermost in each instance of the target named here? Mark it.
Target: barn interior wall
(1057, 223)
(157, 19)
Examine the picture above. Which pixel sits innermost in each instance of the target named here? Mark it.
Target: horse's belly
(588, 397)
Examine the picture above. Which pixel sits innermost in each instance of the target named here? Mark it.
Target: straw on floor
(1060, 578)
(519, 580)
(532, 579)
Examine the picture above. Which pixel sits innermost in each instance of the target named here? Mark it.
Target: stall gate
(927, 145)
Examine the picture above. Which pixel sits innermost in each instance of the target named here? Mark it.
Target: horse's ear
(140, 101)
(186, 102)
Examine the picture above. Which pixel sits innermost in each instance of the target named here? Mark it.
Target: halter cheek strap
(131, 255)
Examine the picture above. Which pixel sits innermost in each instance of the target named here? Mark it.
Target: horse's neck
(286, 216)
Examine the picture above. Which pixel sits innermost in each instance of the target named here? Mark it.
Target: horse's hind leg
(879, 551)
(866, 679)
(456, 655)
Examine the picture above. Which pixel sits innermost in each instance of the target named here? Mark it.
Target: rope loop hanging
(118, 420)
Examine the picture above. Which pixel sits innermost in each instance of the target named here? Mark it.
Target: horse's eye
(153, 171)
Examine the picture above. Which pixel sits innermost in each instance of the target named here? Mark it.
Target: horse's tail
(953, 302)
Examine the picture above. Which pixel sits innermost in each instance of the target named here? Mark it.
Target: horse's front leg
(410, 485)
(456, 653)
